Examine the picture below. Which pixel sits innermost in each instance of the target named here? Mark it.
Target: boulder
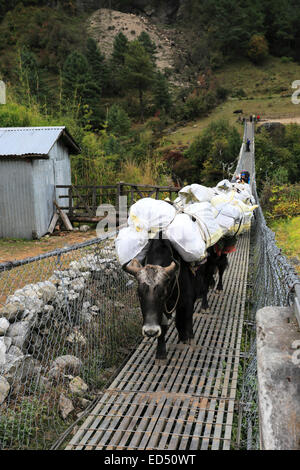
(4, 389)
(67, 364)
(4, 325)
(21, 368)
(19, 333)
(65, 406)
(78, 386)
(12, 311)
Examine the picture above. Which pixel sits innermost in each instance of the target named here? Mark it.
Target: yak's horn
(170, 270)
(133, 267)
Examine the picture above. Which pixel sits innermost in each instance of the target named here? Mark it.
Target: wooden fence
(81, 202)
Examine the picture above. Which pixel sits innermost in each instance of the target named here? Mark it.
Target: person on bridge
(245, 177)
(248, 145)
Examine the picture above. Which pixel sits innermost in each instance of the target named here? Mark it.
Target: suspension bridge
(189, 402)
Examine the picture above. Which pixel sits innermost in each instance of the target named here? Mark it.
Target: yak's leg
(204, 304)
(222, 265)
(161, 351)
(184, 321)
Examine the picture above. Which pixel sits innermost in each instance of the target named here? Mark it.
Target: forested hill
(223, 27)
(122, 74)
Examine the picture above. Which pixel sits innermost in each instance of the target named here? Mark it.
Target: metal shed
(33, 160)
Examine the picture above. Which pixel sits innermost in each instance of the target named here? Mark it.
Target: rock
(2, 353)
(12, 311)
(76, 337)
(55, 373)
(78, 386)
(67, 364)
(7, 341)
(84, 228)
(44, 383)
(65, 406)
(77, 284)
(19, 333)
(278, 375)
(15, 351)
(18, 368)
(46, 291)
(84, 402)
(4, 325)
(4, 389)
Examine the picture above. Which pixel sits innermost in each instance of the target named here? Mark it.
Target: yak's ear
(171, 269)
(133, 267)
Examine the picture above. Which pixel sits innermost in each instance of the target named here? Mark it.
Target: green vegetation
(119, 108)
(277, 155)
(210, 157)
(223, 31)
(287, 232)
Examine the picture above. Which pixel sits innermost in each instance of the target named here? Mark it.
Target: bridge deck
(188, 403)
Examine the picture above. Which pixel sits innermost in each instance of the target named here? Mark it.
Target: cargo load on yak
(197, 219)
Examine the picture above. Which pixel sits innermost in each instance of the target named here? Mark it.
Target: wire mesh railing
(67, 320)
(271, 282)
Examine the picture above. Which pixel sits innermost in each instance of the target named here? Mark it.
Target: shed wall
(16, 199)
(27, 192)
(46, 175)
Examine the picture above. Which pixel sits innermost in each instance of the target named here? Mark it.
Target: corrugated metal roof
(33, 142)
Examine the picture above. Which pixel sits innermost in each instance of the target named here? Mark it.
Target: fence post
(120, 185)
(70, 215)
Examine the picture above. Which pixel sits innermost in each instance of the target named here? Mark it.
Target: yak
(166, 283)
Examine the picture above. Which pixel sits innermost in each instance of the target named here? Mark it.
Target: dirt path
(291, 120)
(11, 250)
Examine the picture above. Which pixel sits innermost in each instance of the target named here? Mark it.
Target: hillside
(144, 79)
(105, 24)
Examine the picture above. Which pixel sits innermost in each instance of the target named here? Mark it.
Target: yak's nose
(151, 331)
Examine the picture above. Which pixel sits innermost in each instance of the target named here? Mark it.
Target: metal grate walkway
(188, 403)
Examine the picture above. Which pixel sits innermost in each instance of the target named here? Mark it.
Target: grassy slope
(287, 232)
(268, 93)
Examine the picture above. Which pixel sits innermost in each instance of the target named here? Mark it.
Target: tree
(258, 48)
(118, 121)
(138, 71)
(96, 60)
(120, 47)
(78, 86)
(28, 74)
(214, 150)
(148, 45)
(75, 75)
(162, 97)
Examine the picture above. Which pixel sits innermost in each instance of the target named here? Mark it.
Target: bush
(118, 121)
(258, 49)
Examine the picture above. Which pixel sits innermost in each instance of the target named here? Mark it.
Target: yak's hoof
(160, 362)
(205, 309)
(191, 341)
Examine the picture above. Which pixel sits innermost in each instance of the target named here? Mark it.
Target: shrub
(258, 49)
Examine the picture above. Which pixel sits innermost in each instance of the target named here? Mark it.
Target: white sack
(130, 243)
(224, 186)
(205, 215)
(185, 237)
(149, 214)
(196, 193)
